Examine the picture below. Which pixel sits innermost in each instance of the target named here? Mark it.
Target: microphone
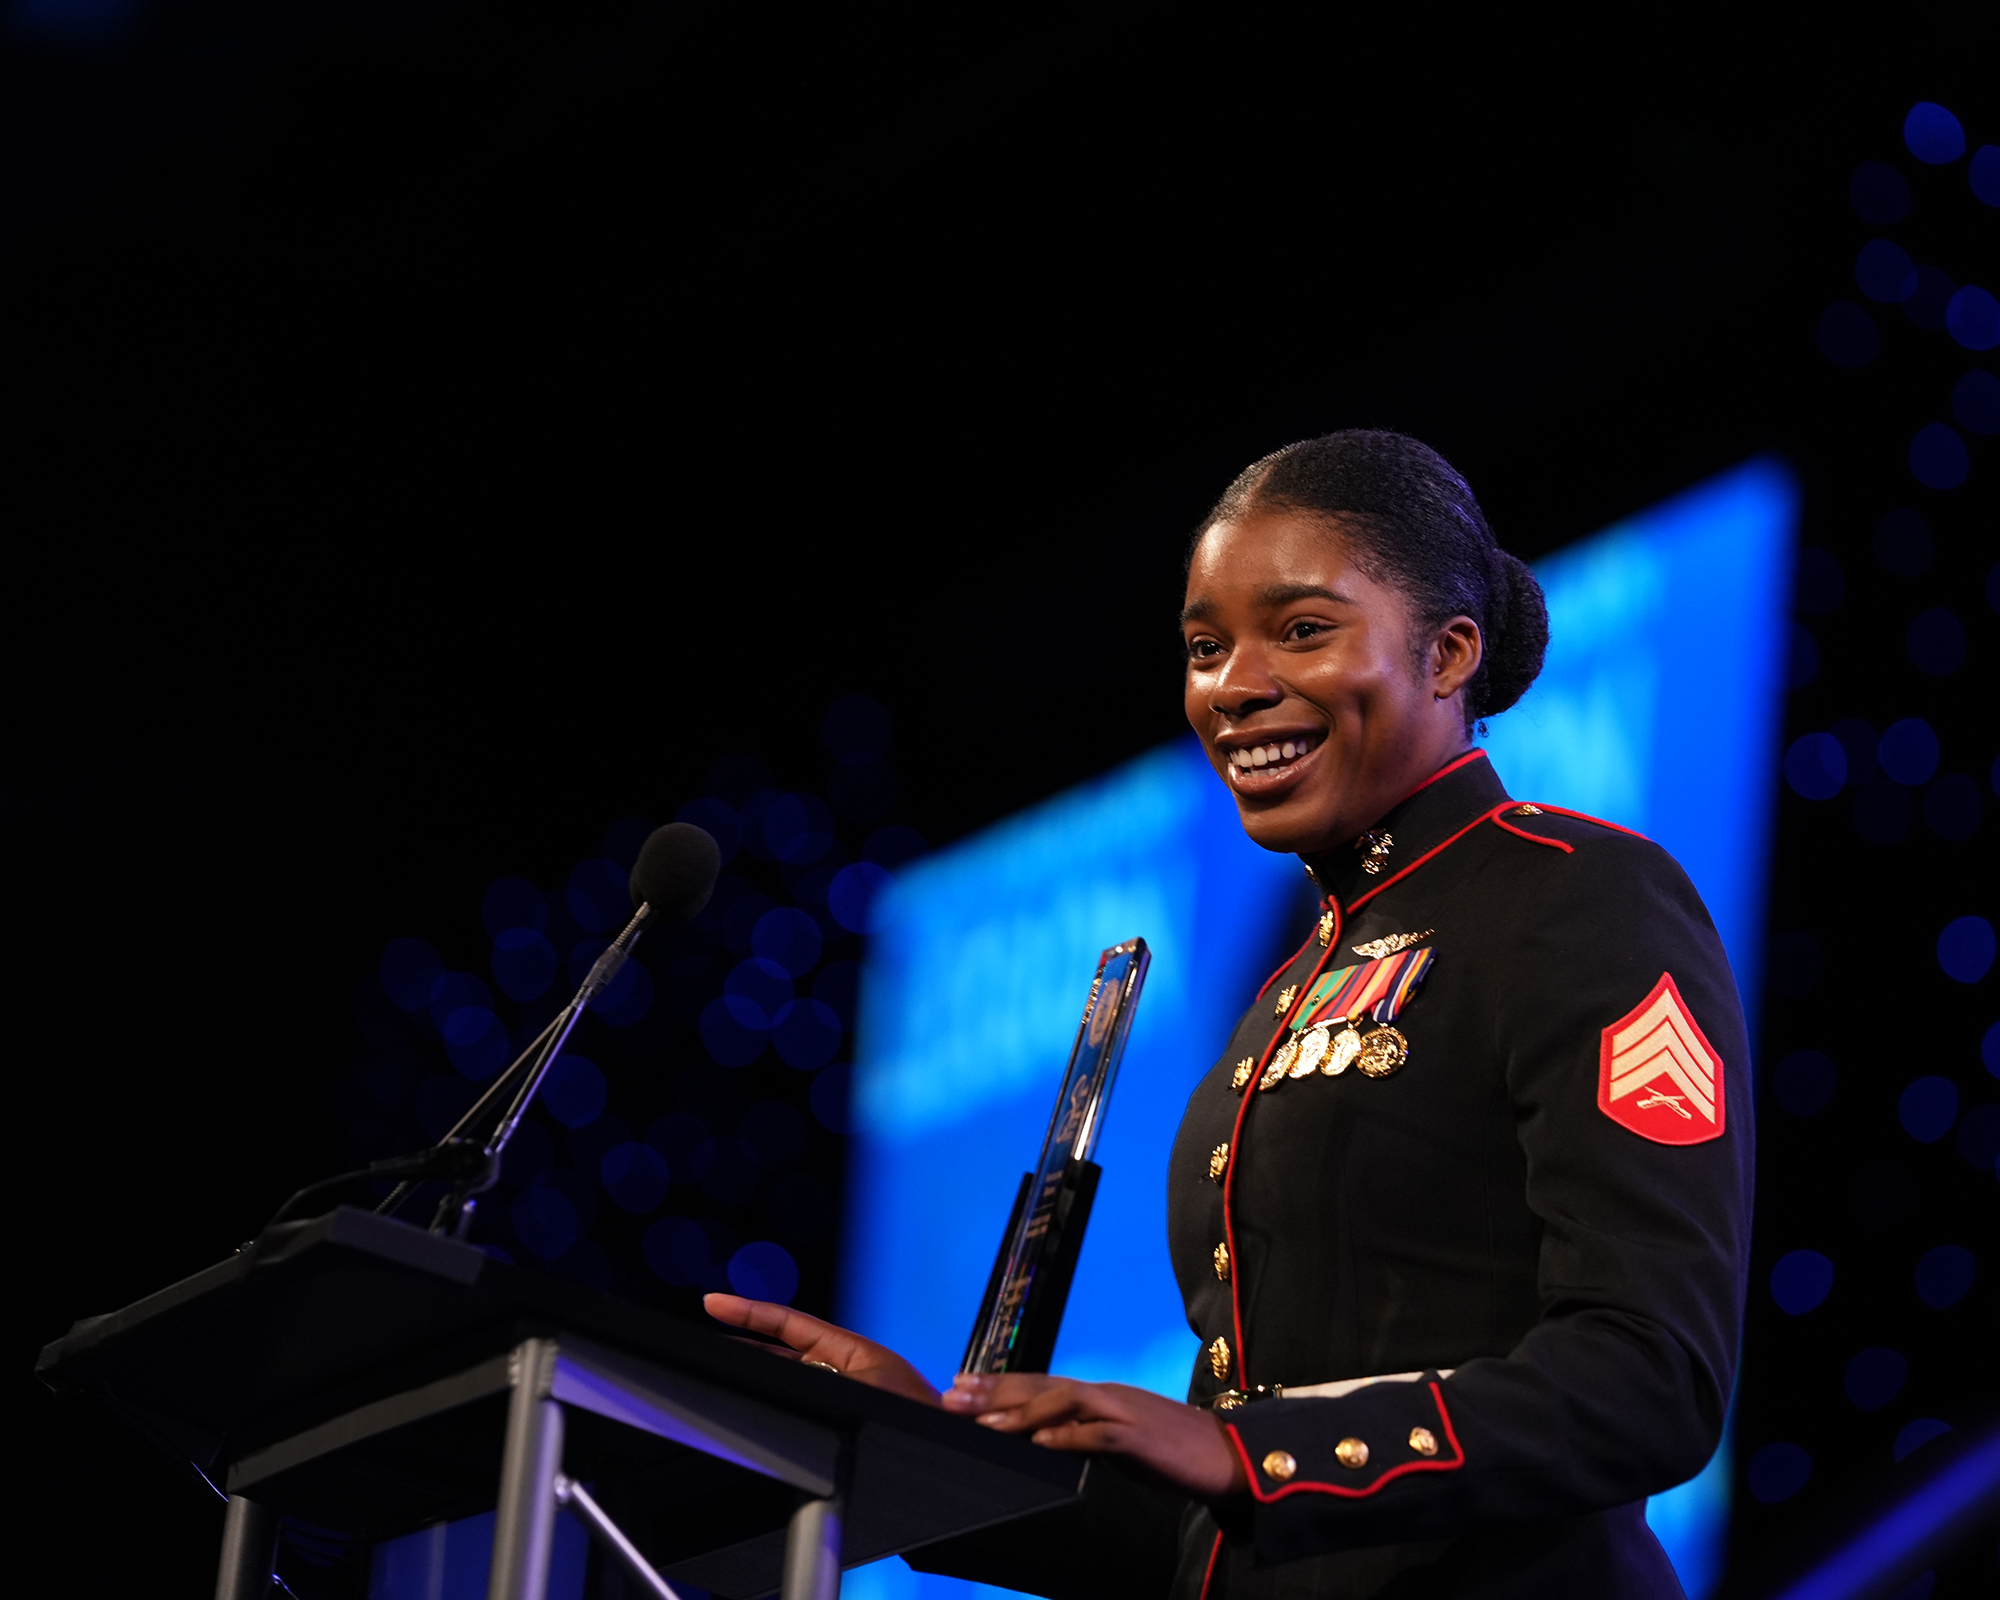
(671, 881)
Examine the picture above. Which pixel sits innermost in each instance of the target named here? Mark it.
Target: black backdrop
(434, 431)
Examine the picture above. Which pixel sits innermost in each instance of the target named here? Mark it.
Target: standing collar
(1447, 801)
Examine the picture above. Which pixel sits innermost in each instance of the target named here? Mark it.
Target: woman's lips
(1271, 766)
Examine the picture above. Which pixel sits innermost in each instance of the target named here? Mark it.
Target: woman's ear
(1456, 652)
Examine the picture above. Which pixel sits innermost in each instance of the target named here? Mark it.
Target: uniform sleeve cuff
(1349, 1448)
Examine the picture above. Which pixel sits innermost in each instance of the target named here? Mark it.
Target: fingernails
(1044, 1435)
(993, 1419)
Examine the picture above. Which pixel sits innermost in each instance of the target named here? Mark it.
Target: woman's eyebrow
(1283, 594)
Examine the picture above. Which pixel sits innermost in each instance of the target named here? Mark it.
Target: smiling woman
(1461, 1213)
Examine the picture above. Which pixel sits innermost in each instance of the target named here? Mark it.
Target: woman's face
(1318, 705)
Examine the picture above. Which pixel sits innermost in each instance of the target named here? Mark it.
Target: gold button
(1228, 1400)
(1326, 930)
(1218, 1163)
(1351, 1453)
(1519, 811)
(1423, 1441)
(1242, 1073)
(1221, 1263)
(1218, 1357)
(1280, 1465)
(1285, 999)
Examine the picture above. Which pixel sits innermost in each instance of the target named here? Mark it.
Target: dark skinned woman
(1461, 1215)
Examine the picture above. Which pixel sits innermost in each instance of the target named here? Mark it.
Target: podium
(361, 1375)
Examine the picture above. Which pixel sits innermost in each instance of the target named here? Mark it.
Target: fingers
(1024, 1402)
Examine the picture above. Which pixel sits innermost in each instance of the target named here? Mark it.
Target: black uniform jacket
(1536, 1229)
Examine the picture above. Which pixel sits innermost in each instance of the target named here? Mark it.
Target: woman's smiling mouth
(1271, 764)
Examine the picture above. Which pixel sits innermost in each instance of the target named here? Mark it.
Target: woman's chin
(1287, 826)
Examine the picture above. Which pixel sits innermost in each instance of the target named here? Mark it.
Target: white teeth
(1271, 751)
(1260, 757)
(1291, 749)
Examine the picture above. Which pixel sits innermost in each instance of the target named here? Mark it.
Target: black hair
(1412, 523)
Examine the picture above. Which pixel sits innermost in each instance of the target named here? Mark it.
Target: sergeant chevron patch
(1657, 1073)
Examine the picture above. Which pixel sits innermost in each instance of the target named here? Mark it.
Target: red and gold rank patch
(1657, 1073)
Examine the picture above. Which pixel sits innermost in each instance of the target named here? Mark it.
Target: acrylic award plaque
(1022, 1311)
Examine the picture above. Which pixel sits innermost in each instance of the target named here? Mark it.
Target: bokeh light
(1909, 751)
(1875, 1377)
(1933, 134)
(1936, 641)
(1857, 740)
(677, 1250)
(635, 1175)
(1800, 1281)
(408, 968)
(756, 992)
(1883, 271)
(1804, 1082)
(1928, 1108)
(1985, 174)
(728, 1042)
(599, 896)
(1989, 1050)
(1938, 457)
(1879, 193)
(852, 895)
(1944, 1275)
(574, 1092)
(1910, 1438)
(788, 937)
(1778, 1471)
(1816, 766)
(797, 828)
(524, 963)
(764, 1271)
(1965, 949)
(1973, 318)
(1975, 401)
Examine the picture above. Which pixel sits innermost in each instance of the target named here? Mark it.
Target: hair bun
(1517, 633)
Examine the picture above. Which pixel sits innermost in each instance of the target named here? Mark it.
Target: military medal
(1312, 1050)
(1382, 1052)
(1341, 1055)
(1281, 1063)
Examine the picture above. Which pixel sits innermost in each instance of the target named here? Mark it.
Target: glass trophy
(1023, 1308)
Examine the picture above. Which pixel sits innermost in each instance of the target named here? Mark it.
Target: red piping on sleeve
(1208, 1572)
(1348, 1491)
(1239, 1369)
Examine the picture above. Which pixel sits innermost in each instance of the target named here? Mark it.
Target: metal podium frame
(541, 1377)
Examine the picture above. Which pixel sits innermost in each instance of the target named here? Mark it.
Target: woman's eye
(1204, 650)
(1305, 630)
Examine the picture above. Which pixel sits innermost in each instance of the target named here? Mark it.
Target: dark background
(433, 432)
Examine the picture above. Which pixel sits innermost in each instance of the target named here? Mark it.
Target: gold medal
(1281, 1063)
(1312, 1050)
(1346, 1046)
(1382, 1052)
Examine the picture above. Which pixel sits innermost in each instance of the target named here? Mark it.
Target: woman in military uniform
(1461, 1214)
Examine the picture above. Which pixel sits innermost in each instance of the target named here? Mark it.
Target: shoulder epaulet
(1521, 808)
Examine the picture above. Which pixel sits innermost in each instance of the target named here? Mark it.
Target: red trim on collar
(1434, 849)
(1448, 767)
(1208, 1572)
(1522, 833)
(1348, 1491)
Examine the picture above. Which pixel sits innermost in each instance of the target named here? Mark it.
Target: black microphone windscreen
(676, 871)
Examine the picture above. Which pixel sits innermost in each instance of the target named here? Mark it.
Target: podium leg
(524, 1530)
(812, 1552)
(249, 1551)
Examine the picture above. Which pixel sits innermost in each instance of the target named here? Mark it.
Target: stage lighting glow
(1965, 949)
(1657, 709)
(1933, 134)
(1800, 1281)
(1973, 318)
(1875, 1377)
(1913, 1436)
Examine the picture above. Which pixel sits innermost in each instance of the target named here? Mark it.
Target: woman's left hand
(1180, 1443)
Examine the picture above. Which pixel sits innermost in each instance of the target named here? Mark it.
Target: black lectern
(362, 1375)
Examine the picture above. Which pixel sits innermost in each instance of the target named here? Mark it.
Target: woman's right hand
(851, 1355)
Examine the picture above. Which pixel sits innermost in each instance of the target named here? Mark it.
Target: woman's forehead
(1269, 548)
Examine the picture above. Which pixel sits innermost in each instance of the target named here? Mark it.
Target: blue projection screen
(1657, 709)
